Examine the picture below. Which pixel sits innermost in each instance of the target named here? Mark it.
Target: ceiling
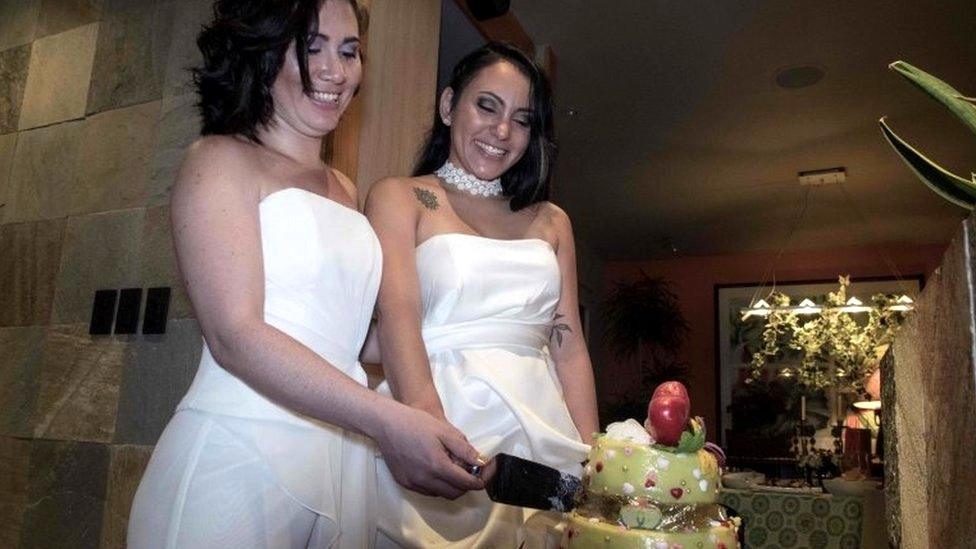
(683, 144)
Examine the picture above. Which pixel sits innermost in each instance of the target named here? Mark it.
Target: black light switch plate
(103, 311)
(127, 315)
(157, 308)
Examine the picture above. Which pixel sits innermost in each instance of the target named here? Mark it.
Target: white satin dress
(233, 468)
(488, 308)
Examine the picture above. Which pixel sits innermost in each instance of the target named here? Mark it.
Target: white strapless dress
(322, 266)
(488, 308)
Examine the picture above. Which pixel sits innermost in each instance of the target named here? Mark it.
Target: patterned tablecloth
(785, 520)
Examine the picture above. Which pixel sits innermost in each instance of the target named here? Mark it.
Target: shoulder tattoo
(557, 330)
(427, 198)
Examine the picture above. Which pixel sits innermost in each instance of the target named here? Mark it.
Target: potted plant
(955, 189)
(643, 319)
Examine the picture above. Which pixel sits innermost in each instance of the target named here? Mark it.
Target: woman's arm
(566, 343)
(394, 213)
(218, 245)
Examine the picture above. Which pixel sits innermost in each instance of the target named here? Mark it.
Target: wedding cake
(653, 485)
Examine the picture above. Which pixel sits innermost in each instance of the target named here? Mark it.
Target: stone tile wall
(930, 412)
(95, 113)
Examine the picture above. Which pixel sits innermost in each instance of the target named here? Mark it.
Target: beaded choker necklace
(464, 181)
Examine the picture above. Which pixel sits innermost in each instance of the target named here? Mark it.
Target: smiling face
(335, 68)
(491, 120)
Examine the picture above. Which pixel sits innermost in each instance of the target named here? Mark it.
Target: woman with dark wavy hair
(479, 322)
(269, 446)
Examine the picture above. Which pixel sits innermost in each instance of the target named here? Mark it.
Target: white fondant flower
(610, 454)
(630, 430)
(663, 463)
(696, 472)
(703, 484)
(628, 488)
(660, 544)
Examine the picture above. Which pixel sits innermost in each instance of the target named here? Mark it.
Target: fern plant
(643, 319)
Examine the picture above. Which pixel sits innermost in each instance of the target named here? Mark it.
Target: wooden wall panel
(398, 94)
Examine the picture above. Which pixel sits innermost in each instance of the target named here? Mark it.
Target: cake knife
(516, 481)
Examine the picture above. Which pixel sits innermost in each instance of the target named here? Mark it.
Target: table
(785, 520)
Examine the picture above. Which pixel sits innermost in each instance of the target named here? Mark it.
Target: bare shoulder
(553, 216)
(402, 186)
(405, 192)
(218, 164)
(552, 221)
(218, 151)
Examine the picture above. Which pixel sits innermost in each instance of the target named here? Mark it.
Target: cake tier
(589, 533)
(642, 472)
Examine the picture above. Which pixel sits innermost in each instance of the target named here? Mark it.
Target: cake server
(516, 481)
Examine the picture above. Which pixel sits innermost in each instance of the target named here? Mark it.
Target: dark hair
(527, 182)
(243, 50)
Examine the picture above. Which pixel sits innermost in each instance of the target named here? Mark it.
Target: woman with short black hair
(269, 446)
(479, 321)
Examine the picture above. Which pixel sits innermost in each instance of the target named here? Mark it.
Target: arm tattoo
(557, 330)
(427, 198)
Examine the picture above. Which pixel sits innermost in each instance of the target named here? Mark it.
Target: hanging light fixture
(808, 307)
(854, 305)
(759, 308)
(762, 308)
(904, 303)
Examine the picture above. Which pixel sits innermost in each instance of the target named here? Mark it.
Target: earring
(447, 121)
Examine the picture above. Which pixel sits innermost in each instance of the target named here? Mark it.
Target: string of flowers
(835, 347)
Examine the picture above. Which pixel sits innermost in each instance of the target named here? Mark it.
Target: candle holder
(837, 431)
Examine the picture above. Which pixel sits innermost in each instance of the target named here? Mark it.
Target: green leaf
(946, 184)
(940, 91)
(693, 440)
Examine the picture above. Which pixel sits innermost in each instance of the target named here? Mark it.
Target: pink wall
(693, 279)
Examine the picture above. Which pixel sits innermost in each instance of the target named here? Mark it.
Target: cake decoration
(653, 484)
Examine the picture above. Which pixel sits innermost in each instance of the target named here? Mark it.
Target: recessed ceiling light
(799, 76)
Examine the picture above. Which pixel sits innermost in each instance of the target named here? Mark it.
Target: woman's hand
(423, 453)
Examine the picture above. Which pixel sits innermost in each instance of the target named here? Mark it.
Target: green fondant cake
(644, 494)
